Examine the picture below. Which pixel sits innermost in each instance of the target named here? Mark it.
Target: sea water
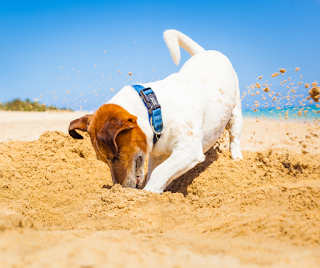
(301, 113)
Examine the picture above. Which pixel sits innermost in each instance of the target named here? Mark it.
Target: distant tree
(27, 105)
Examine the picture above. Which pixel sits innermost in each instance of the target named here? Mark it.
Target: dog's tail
(174, 39)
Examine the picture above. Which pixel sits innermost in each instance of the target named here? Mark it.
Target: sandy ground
(257, 134)
(28, 126)
(58, 207)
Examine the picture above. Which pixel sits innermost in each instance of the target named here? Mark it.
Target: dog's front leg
(182, 159)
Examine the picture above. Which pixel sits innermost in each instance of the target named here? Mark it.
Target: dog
(197, 104)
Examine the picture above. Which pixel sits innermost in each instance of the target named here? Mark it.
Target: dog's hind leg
(234, 127)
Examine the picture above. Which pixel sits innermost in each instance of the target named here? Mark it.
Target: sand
(257, 135)
(28, 126)
(58, 207)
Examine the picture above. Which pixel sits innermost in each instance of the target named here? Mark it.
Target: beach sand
(257, 135)
(28, 126)
(58, 207)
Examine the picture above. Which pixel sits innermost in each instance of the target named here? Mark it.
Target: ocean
(301, 113)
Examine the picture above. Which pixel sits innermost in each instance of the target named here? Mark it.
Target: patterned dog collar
(150, 100)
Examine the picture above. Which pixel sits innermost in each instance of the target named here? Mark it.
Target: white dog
(197, 104)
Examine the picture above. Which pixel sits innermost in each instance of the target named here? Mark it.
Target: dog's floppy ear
(81, 124)
(110, 130)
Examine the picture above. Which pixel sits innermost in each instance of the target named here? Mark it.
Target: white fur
(174, 39)
(197, 104)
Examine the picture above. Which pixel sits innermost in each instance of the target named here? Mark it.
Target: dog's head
(117, 140)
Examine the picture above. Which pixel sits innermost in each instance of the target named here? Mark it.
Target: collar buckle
(150, 99)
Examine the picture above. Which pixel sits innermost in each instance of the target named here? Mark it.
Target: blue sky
(93, 40)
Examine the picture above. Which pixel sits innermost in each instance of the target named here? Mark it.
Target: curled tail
(174, 39)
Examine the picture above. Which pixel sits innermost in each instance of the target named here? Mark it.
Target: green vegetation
(27, 105)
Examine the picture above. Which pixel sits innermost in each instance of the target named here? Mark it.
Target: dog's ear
(81, 124)
(110, 130)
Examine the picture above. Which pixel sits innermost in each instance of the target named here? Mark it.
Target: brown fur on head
(117, 140)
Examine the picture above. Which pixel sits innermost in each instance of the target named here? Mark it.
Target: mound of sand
(270, 197)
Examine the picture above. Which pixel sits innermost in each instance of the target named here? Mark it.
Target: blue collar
(149, 99)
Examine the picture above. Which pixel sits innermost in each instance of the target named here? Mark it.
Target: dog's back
(206, 80)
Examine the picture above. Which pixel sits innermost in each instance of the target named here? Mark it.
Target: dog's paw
(153, 189)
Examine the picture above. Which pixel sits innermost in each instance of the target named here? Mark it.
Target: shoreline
(258, 133)
(290, 120)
